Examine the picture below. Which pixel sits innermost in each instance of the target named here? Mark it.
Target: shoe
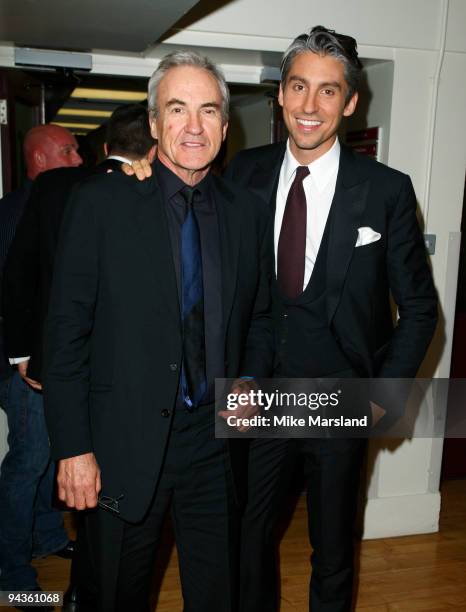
(71, 596)
(67, 551)
(44, 608)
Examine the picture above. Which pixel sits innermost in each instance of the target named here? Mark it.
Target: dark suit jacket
(31, 258)
(29, 265)
(11, 209)
(114, 347)
(106, 165)
(359, 280)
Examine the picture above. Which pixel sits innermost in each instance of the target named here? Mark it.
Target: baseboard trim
(388, 517)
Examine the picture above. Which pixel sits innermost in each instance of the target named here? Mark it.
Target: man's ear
(280, 95)
(106, 149)
(350, 106)
(151, 154)
(224, 130)
(153, 126)
(40, 159)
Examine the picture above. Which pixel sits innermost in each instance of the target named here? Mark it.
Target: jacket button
(173, 367)
(165, 413)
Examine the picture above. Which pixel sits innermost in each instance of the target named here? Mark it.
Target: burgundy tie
(291, 253)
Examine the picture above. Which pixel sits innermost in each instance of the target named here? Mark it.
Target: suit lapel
(348, 205)
(265, 175)
(264, 182)
(152, 225)
(229, 221)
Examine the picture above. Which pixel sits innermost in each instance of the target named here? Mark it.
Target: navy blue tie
(193, 372)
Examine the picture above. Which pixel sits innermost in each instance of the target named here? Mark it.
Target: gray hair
(322, 41)
(187, 58)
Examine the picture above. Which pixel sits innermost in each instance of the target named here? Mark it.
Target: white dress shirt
(319, 188)
(120, 158)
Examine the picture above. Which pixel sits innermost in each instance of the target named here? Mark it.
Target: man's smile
(308, 125)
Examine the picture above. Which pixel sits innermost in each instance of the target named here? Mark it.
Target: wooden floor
(408, 574)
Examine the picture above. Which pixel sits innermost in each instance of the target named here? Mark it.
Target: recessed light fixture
(109, 94)
(82, 126)
(83, 112)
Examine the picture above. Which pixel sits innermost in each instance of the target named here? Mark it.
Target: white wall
(249, 124)
(375, 103)
(261, 24)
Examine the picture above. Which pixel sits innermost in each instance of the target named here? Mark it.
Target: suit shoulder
(112, 186)
(52, 188)
(258, 153)
(244, 198)
(378, 170)
(61, 176)
(11, 199)
(107, 180)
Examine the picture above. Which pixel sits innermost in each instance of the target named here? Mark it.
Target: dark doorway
(454, 449)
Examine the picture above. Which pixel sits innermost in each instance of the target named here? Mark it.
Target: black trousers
(197, 487)
(332, 470)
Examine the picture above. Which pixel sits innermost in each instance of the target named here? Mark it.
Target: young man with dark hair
(128, 136)
(345, 237)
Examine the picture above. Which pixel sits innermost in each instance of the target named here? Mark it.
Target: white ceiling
(82, 25)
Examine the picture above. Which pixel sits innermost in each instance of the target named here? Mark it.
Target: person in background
(29, 269)
(45, 147)
(127, 137)
(29, 525)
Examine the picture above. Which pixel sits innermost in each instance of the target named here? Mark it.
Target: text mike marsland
(291, 421)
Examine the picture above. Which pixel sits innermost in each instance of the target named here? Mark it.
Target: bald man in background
(29, 526)
(45, 147)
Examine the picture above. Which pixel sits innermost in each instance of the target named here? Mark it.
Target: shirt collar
(321, 170)
(171, 183)
(123, 160)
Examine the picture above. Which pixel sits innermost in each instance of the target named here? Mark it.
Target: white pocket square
(366, 235)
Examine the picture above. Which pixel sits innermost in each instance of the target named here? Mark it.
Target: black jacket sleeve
(21, 282)
(68, 329)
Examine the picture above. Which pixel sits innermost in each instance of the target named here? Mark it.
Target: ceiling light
(82, 126)
(82, 112)
(108, 94)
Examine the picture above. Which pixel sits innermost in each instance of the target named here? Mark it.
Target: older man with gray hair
(160, 287)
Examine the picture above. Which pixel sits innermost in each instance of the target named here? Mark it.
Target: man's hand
(141, 168)
(22, 371)
(242, 386)
(79, 481)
